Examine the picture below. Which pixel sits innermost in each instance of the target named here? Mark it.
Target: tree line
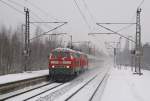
(126, 57)
(12, 47)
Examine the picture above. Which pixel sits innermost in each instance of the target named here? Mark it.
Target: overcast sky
(66, 10)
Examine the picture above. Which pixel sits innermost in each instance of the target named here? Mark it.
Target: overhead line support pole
(27, 39)
(138, 48)
(71, 42)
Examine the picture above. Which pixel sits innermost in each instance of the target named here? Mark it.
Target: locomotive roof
(74, 51)
(64, 50)
(68, 50)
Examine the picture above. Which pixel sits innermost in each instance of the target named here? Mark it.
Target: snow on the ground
(123, 85)
(61, 94)
(2, 96)
(85, 93)
(24, 96)
(22, 76)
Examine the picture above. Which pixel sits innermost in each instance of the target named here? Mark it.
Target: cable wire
(126, 27)
(115, 32)
(11, 6)
(141, 3)
(34, 14)
(81, 13)
(41, 10)
(45, 33)
(91, 15)
(19, 6)
(16, 3)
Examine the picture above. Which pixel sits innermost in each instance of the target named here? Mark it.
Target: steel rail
(25, 91)
(98, 87)
(10, 86)
(68, 98)
(43, 92)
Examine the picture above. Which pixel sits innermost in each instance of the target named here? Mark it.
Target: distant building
(125, 56)
(146, 56)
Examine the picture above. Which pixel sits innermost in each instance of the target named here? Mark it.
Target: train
(65, 63)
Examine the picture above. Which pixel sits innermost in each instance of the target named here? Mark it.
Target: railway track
(55, 90)
(83, 86)
(69, 91)
(16, 85)
(68, 98)
(54, 95)
(44, 91)
(22, 92)
(52, 84)
(98, 87)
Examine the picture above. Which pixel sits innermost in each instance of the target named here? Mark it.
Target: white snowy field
(22, 76)
(123, 85)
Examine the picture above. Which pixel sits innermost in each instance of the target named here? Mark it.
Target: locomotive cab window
(65, 54)
(55, 54)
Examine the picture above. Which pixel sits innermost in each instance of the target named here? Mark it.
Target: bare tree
(11, 50)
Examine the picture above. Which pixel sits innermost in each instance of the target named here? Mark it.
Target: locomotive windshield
(58, 54)
(65, 54)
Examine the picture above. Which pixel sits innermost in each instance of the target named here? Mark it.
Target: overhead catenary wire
(38, 17)
(121, 29)
(34, 14)
(90, 13)
(41, 10)
(115, 32)
(45, 33)
(21, 12)
(81, 13)
(18, 4)
(88, 10)
(126, 27)
(41, 20)
(141, 3)
(11, 6)
(18, 9)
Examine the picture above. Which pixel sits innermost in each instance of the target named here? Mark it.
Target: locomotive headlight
(53, 66)
(67, 66)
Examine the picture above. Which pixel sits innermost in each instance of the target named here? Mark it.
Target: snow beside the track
(63, 93)
(122, 85)
(85, 93)
(27, 95)
(22, 76)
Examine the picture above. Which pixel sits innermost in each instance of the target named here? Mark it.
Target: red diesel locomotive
(66, 62)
